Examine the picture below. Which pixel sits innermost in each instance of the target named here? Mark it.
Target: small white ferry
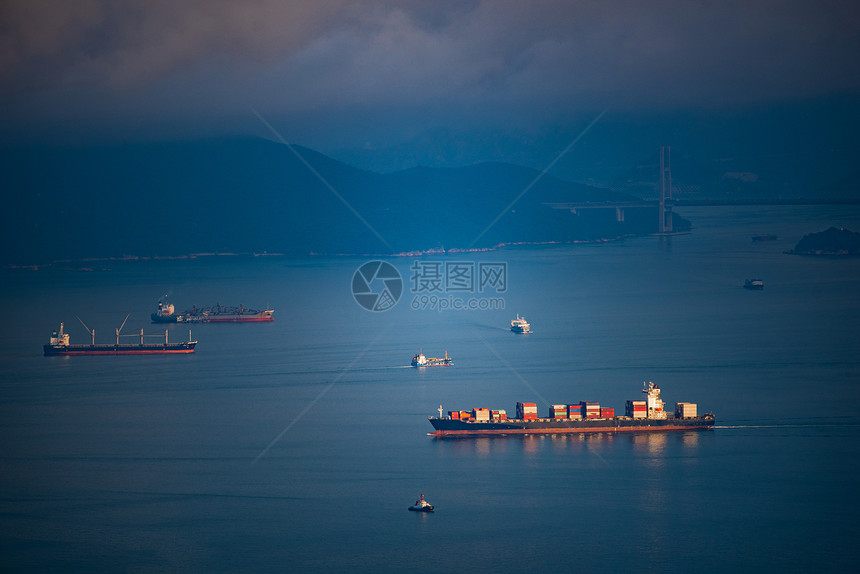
(520, 325)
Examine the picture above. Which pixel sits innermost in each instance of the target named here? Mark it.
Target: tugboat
(755, 284)
(520, 325)
(420, 360)
(421, 505)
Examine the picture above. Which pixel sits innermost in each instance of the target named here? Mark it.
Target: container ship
(420, 360)
(584, 417)
(215, 314)
(59, 345)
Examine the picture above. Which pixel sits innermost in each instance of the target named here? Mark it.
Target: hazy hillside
(247, 195)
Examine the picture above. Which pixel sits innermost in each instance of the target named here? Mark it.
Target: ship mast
(120, 328)
(90, 331)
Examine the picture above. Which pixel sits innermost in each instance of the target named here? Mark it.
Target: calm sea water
(297, 446)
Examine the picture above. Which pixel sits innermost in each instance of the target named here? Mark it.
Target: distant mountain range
(254, 195)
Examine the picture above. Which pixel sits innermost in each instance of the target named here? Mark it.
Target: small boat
(421, 505)
(520, 325)
(756, 284)
(420, 360)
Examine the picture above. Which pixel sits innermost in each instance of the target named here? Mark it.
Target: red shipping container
(607, 413)
(454, 414)
(524, 409)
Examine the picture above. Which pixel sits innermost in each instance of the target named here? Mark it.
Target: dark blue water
(297, 446)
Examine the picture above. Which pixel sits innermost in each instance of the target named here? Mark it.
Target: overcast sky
(334, 74)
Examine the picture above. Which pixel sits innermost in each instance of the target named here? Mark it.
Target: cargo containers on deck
(685, 410)
(587, 416)
(590, 410)
(527, 411)
(558, 411)
(637, 409)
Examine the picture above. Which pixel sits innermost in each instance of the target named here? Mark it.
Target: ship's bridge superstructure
(165, 309)
(60, 337)
(653, 400)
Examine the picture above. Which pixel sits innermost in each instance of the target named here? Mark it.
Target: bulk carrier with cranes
(59, 344)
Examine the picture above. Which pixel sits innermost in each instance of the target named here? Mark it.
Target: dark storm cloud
(131, 44)
(412, 63)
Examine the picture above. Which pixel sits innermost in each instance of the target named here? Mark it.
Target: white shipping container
(686, 409)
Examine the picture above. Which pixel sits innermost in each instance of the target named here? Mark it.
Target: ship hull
(262, 317)
(454, 427)
(67, 350)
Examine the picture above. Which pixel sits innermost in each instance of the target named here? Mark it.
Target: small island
(832, 241)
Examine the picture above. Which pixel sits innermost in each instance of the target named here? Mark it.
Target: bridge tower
(665, 209)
